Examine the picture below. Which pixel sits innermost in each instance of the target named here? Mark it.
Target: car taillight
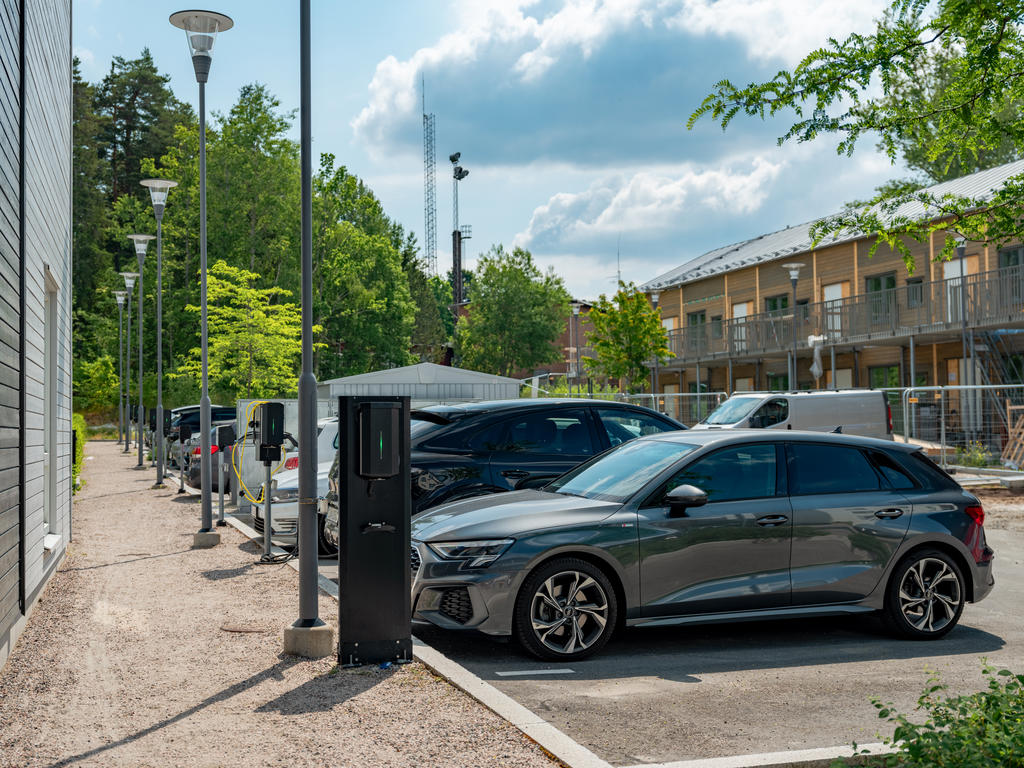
(292, 462)
(888, 417)
(977, 513)
(199, 449)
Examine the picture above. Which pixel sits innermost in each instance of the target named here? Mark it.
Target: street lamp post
(574, 333)
(655, 295)
(129, 284)
(141, 241)
(158, 189)
(966, 401)
(308, 635)
(201, 29)
(458, 174)
(121, 296)
(794, 275)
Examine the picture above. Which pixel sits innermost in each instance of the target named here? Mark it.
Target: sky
(570, 114)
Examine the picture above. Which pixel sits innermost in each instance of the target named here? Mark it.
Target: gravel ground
(144, 652)
(1003, 509)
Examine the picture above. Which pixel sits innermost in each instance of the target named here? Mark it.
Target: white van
(851, 412)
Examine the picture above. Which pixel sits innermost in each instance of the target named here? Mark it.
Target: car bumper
(284, 517)
(984, 579)
(446, 596)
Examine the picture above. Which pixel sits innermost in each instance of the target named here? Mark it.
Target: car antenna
(838, 430)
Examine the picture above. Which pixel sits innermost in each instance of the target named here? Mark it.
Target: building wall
(41, 134)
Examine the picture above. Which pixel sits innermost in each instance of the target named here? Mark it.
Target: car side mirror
(682, 497)
(757, 421)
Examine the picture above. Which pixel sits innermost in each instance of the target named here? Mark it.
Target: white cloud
(85, 56)
(650, 202)
(777, 29)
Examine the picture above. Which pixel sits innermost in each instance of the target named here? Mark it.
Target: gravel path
(144, 652)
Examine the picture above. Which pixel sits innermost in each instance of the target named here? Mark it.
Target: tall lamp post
(794, 275)
(458, 174)
(121, 296)
(201, 29)
(141, 241)
(308, 635)
(966, 401)
(574, 333)
(158, 189)
(129, 284)
(655, 295)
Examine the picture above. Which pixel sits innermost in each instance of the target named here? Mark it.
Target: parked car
(194, 465)
(190, 415)
(284, 495)
(852, 412)
(707, 526)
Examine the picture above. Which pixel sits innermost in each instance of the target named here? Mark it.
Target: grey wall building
(35, 303)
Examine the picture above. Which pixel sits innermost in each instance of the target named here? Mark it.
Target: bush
(95, 385)
(970, 731)
(81, 435)
(974, 454)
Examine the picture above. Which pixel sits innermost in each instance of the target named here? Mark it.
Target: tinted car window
(623, 424)
(740, 472)
(930, 474)
(896, 476)
(815, 468)
(548, 432)
(620, 473)
(771, 413)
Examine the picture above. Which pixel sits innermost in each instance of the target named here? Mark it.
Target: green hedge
(78, 425)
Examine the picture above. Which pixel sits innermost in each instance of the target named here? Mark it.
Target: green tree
(95, 385)
(626, 334)
(857, 87)
(253, 337)
(516, 314)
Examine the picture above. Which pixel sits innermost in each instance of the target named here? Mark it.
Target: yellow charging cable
(240, 456)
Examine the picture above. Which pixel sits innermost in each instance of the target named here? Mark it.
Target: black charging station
(374, 505)
(152, 419)
(225, 437)
(167, 423)
(184, 433)
(270, 434)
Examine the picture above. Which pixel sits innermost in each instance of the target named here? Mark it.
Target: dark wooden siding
(10, 311)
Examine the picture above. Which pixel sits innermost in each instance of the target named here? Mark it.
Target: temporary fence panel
(685, 407)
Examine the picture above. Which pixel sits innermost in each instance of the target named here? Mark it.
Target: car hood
(507, 515)
(289, 478)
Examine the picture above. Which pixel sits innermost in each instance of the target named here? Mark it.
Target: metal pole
(832, 350)
(205, 475)
(158, 444)
(729, 384)
(266, 510)
(965, 418)
(220, 486)
(572, 343)
(908, 428)
(309, 608)
(792, 381)
(181, 463)
(120, 370)
(942, 425)
(128, 378)
(140, 465)
(232, 480)
(576, 322)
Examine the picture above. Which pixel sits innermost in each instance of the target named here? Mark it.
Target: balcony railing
(989, 299)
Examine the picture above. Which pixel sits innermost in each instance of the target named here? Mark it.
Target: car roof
(723, 437)
(489, 406)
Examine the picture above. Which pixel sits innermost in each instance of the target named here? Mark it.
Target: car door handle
(770, 520)
(889, 514)
(514, 474)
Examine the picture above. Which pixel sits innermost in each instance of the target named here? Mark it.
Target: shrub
(969, 731)
(95, 385)
(81, 435)
(974, 454)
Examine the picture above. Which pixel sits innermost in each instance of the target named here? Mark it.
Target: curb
(556, 743)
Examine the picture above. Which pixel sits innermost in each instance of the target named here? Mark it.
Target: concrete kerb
(557, 743)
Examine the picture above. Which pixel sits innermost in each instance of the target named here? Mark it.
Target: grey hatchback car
(692, 527)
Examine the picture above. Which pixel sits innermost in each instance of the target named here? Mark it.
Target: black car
(473, 449)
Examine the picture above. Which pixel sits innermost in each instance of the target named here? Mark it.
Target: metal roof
(424, 382)
(797, 239)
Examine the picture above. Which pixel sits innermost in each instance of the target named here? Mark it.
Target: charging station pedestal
(375, 504)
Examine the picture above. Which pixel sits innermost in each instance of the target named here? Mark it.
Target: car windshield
(732, 410)
(620, 473)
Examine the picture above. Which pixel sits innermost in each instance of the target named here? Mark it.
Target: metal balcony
(992, 299)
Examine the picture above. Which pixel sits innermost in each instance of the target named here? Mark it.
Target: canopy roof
(424, 381)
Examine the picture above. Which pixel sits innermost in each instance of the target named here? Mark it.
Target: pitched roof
(797, 239)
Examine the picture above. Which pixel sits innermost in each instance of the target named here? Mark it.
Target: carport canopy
(424, 382)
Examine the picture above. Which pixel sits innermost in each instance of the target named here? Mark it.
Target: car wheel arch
(594, 557)
(946, 547)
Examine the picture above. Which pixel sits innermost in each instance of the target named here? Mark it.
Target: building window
(716, 327)
(915, 292)
(696, 318)
(884, 376)
(880, 282)
(778, 382)
(803, 309)
(1012, 257)
(776, 303)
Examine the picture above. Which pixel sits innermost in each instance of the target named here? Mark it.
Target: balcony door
(833, 297)
(951, 273)
(738, 326)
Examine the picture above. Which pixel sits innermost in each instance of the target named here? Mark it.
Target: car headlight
(475, 554)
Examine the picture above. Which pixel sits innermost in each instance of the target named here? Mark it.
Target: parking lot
(658, 695)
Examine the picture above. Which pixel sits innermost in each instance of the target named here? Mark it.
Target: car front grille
(414, 560)
(456, 605)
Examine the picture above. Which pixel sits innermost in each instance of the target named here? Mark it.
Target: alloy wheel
(569, 612)
(930, 595)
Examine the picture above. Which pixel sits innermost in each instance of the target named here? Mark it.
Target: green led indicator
(381, 445)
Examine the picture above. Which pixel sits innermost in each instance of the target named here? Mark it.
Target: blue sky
(570, 114)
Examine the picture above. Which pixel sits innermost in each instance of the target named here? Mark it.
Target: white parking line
(532, 672)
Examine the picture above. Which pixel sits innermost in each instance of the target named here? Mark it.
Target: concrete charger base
(309, 642)
(205, 539)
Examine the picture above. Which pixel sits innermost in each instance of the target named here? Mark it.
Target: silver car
(697, 527)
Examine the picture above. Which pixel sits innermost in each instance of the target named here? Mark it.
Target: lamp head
(454, 157)
(121, 296)
(961, 245)
(575, 308)
(794, 269)
(654, 298)
(460, 173)
(141, 241)
(201, 28)
(158, 189)
(129, 280)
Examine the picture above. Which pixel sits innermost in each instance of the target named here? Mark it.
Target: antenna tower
(429, 189)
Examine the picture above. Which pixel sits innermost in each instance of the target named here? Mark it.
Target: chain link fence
(686, 408)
